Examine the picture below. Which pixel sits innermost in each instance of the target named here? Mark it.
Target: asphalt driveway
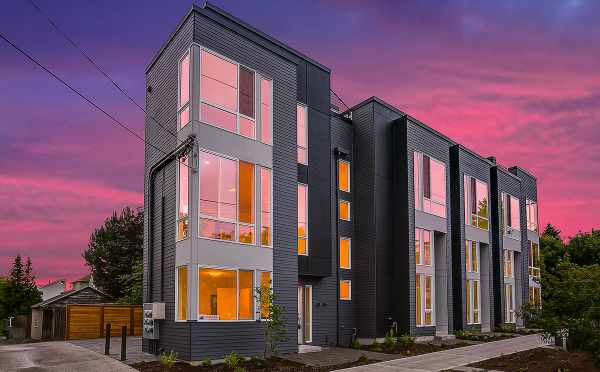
(56, 356)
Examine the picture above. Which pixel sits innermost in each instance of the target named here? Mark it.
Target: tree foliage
(113, 250)
(19, 291)
(275, 330)
(132, 284)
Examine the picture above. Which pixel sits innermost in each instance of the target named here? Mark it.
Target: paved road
(56, 356)
(452, 358)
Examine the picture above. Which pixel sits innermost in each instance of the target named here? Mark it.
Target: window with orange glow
(246, 202)
(344, 210)
(302, 136)
(217, 297)
(345, 290)
(265, 206)
(182, 293)
(344, 175)
(183, 99)
(246, 295)
(265, 294)
(183, 200)
(424, 269)
(302, 219)
(345, 253)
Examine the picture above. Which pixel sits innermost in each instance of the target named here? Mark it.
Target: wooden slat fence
(89, 321)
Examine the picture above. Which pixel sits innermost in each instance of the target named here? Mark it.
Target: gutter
(183, 148)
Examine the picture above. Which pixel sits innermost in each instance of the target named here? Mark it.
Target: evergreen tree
(20, 290)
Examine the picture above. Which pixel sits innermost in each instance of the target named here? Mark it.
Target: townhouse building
(360, 219)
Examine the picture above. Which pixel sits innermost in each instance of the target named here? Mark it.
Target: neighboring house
(86, 281)
(361, 220)
(49, 316)
(52, 289)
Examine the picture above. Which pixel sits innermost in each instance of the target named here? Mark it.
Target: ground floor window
(509, 300)
(182, 279)
(535, 296)
(424, 278)
(424, 299)
(473, 306)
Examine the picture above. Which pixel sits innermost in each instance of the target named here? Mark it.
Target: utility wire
(338, 97)
(88, 100)
(106, 75)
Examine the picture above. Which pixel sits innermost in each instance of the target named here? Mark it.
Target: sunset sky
(519, 80)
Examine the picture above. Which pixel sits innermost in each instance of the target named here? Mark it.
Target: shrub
(506, 328)
(233, 360)
(406, 340)
(258, 363)
(376, 346)
(363, 359)
(206, 362)
(464, 335)
(239, 369)
(390, 339)
(354, 344)
(167, 360)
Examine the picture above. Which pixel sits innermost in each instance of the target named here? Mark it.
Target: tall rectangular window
(217, 294)
(429, 184)
(302, 133)
(265, 294)
(345, 290)
(424, 279)
(344, 210)
(473, 277)
(476, 202)
(302, 219)
(182, 280)
(246, 295)
(532, 215)
(509, 300)
(183, 98)
(183, 205)
(534, 259)
(535, 295)
(246, 202)
(345, 253)
(265, 206)
(509, 259)
(511, 215)
(266, 110)
(344, 175)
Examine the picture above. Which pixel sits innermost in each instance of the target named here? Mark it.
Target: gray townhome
(360, 219)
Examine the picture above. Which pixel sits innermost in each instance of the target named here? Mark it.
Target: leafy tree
(19, 291)
(584, 248)
(132, 284)
(275, 330)
(553, 250)
(552, 231)
(113, 250)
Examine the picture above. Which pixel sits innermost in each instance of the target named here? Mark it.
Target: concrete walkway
(448, 359)
(134, 348)
(56, 356)
(331, 356)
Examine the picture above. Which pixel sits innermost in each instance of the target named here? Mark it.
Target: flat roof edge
(522, 170)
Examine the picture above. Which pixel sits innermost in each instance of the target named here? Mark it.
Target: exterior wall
(466, 163)
(37, 316)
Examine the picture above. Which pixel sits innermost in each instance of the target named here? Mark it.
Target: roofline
(65, 295)
(506, 171)
(205, 7)
(522, 170)
(54, 282)
(471, 152)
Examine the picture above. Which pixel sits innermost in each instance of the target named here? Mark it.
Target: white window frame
(234, 221)
(349, 204)
(305, 109)
(349, 175)
(468, 202)
(349, 289)
(532, 270)
(529, 205)
(473, 276)
(306, 228)
(178, 187)
(424, 270)
(177, 294)
(259, 210)
(257, 103)
(421, 192)
(349, 252)
(509, 280)
(188, 105)
(510, 231)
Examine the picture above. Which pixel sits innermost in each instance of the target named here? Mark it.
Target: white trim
(187, 310)
(349, 210)
(349, 240)
(423, 270)
(468, 202)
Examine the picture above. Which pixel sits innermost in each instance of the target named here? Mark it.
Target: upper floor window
(430, 185)
(344, 175)
(344, 210)
(476, 203)
(265, 206)
(183, 205)
(183, 96)
(302, 219)
(228, 94)
(471, 256)
(511, 215)
(345, 290)
(532, 215)
(302, 133)
(345, 253)
(534, 259)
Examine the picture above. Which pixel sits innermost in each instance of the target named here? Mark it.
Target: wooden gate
(89, 321)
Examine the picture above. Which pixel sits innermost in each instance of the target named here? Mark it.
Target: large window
(424, 282)
(182, 280)
(183, 96)
(511, 215)
(302, 133)
(534, 259)
(183, 203)
(344, 175)
(345, 253)
(472, 286)
(345, 290)
(532, 215)
(344, 210)
(429, 184)
(265, 207)
(225, 294)
(476, 203)
(302, 219)
(228, 94)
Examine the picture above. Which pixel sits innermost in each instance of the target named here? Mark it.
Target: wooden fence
(89, 321)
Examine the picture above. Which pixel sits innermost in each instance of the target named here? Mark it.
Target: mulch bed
(486, 337)
(411, 349)
(272, 364)
(540, 360)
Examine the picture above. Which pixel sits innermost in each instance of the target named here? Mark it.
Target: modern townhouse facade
(359, 220)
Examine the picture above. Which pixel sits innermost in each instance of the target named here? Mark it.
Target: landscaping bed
(482, 337)
(410, 348)
(541, 360)
(271, 364)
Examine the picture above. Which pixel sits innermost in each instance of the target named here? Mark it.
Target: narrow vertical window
(246, 102)
(266, 110)
(534, 259)
(515, 222)
(428, 300)
(345, 290)
(265, 294)
(344, 175)
(246, 202)
(345, 253)
(473, 277)
(246, 295)
(418, 247)
(344, 210)
(302, 133)
(419, 296)
(427, 247)
(532, 219)
(183, 208)
(417, 171)
(302, 220)
(425, 269)
(426, 177)
(265, 206)
(182, 293)
(475, 301)
(183, 107)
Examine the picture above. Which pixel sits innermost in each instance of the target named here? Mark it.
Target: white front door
(304, 314)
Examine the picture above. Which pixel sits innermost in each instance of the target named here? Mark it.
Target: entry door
(304, 314)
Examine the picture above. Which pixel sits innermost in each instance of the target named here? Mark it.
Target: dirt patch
(411, 349)
(540, 360)
(273, 364)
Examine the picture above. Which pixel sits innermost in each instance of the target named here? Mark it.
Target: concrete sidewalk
(134, 348)
(452, 358)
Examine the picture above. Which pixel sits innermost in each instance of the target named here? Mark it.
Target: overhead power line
(104, 73)
(85, 98)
